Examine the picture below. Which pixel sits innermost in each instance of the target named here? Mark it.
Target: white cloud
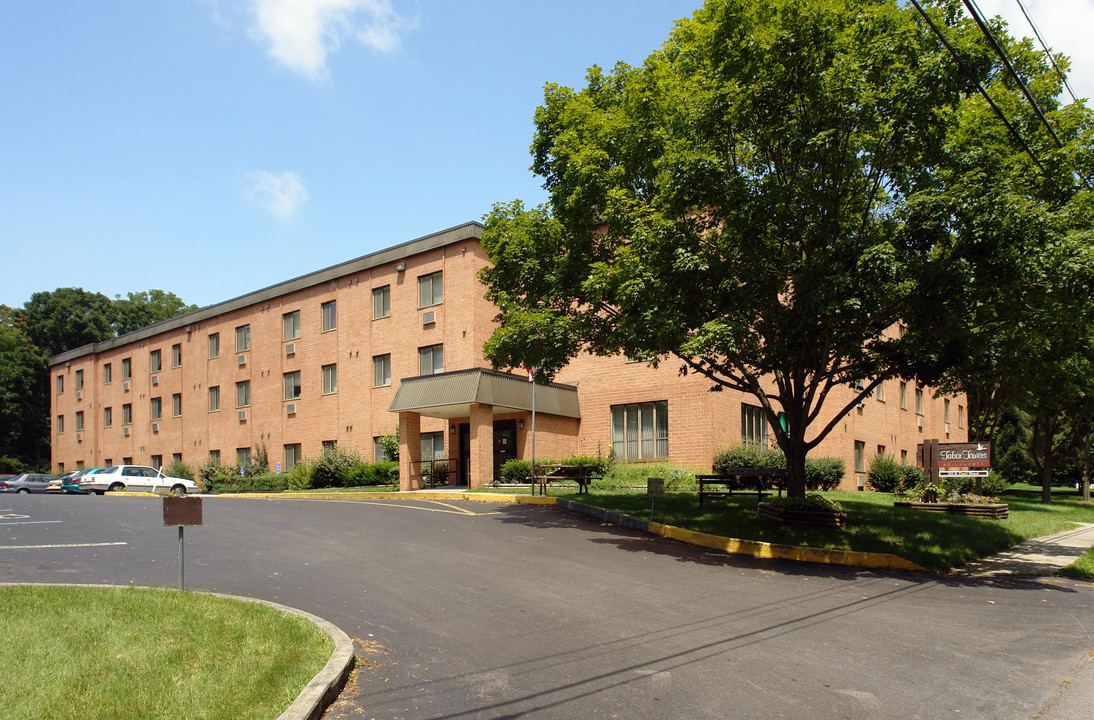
(280, 194)
(301, 33)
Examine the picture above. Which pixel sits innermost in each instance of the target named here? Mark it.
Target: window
(903, 457)
(431, 360)
(640, 430)
(432, 445)
(243, 393)
(107, 374)
(157, 461)
(381, 370)
(176, 405)
(214, 457)
(291, 322)
(243, 338)
(381, 302)
(880, 450)
(108, 417)
(960, 416)
(753, 426)
(243, 456)
(431, 289)
(379, 452)
(857, 386)
(879, 392)
(946, 410)
(292, 456)
(79, 379)
(79, 420)
(60, 424)
(329, 445)
(127, 414)
(127, 368)
(860, 456)
(60, 384)
(214, 398)
(126, 460)
(918, 401)
(176, 355)
(154, 362)
(330, 379)
(903, 395)
(292, 385)
(330, 315)
(214, 345)
(157, 408)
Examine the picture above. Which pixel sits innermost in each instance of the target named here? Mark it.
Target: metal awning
(450, 395)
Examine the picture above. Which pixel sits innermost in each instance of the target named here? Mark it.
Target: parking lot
(490, 610)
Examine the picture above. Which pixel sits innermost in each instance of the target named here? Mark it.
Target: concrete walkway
(1039, 556)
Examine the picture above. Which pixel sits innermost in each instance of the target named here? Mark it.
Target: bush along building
(393, 340)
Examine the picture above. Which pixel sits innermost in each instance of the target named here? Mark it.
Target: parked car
(26, 483)
(134, 477)
(70, 482)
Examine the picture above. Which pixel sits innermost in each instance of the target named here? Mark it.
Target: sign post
(655, 488)
(181, 512)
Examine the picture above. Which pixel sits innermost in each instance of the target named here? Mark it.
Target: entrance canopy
(451, 395)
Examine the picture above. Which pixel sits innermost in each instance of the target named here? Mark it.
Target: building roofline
(452, 235)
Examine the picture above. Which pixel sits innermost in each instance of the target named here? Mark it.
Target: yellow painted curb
(759, 549)
(415, 495)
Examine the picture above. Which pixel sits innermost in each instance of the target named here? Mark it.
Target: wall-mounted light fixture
(399, 267)
(451, 428)
(520, 424)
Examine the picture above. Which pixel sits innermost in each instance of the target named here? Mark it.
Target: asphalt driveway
(480, 610)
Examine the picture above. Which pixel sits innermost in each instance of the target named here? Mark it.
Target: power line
(1044, 47)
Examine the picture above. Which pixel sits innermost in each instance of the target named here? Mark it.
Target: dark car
(26, 483)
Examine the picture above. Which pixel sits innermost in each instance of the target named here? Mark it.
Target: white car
(135, 477)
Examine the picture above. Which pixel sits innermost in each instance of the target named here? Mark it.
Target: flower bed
(995, 511)
(800, 516)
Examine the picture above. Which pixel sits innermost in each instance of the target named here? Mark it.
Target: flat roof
(450, 395)
(452, 235)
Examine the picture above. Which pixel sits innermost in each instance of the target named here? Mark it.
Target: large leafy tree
(735, 203)
(141, 309)
(24, 430)
(68, 318)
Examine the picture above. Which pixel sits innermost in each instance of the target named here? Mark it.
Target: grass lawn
(937, 542)
(123, 653)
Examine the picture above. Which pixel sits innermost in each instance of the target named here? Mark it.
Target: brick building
(346, 354)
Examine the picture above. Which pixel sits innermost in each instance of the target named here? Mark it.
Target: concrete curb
(321, 690)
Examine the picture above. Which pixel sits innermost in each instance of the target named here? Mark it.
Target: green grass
(1082, 568)
(123, 653)
(935, 541)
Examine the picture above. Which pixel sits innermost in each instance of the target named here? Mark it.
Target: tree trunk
(1087, 460)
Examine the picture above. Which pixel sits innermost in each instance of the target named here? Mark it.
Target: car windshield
(111, 470)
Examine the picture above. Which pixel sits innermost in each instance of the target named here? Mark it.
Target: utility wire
(1051, 59)
(975, 12)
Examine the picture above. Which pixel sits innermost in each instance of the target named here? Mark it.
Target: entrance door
(505, 443)
(465, 454)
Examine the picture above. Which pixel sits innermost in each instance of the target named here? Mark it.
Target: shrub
(300, 477)
(912, 475)
(179, 469)
(994, 484)
(635, 475)
(811, 501)
(885, 475)
(390, 444)
(602, 464)
(366, 474)
(332, 466)
(824, 473)
(229, 482)
(516, 471)
(748, 456)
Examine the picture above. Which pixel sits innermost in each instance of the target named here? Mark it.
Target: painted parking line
(72, 545)
(31, 522)
(420, 505)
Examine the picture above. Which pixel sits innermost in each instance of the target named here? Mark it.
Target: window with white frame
(381, 302)
(79, 420)
(154, 361)
(108, 417)
(243, 456)
(60, 384)
(381, 370)
(431, 289)
(293, 455)
(176, 355)
(640, 430)
(243, 338)
(292, 385)
(431, 360)
(214, 398)
(157, 408)
(432, 445)
(379, 452)
(291, 322)
(127, 414)
(108, 374)
(79, 379)
(330, 315)
(918, 401)
(330, 379)
(176, 405)
(753, 426)
(243, 393)
(214, 346)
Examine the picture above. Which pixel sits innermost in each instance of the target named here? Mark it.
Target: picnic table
(759, 480)
(580, 474)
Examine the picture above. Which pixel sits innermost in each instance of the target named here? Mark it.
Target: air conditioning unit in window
(155, 379)
(242, 415)
(947, 428)
(241, 360)
(155, 428)
(919, 422)
(125, 387)
(125, 432)
(290, 348)
(428, 318)
(290, 409)
(79, 438)
(79, 395)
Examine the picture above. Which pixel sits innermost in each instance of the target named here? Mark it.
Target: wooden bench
(762, 481)
(583, 475)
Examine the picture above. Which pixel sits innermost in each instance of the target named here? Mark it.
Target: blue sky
(211, 148)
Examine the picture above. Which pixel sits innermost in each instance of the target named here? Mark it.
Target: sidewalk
(1039, 556)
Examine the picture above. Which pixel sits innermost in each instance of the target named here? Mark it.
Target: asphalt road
(476, 610)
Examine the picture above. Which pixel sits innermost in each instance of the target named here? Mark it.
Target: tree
(735, 204)
(24, 380)
(142, 309)
(68, 318)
